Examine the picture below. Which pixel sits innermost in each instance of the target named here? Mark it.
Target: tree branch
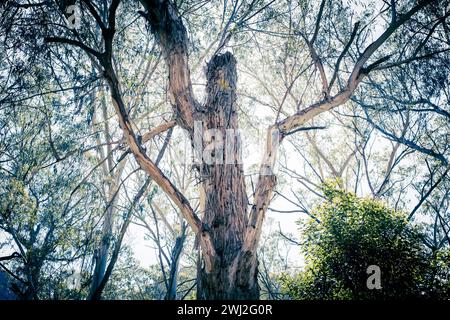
(428, 193)
(157, 130)
(95, 14)
(267, 182)
(343, 53)
(169, 30)
(75, 43)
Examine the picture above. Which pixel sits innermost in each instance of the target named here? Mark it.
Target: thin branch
(427, 194)
(74, 43)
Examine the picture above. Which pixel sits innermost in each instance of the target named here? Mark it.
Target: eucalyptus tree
(46, 209)
(343, 49)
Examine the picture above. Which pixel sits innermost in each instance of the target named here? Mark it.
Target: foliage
(355, 233)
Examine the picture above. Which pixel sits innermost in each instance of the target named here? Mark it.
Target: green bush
(355, 233)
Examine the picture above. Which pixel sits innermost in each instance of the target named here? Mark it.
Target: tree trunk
(171, 293)
(111, 176)
(101, 254)
(225, 198)
(227, 236)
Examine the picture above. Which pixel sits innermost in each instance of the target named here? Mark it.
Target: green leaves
(355, 233)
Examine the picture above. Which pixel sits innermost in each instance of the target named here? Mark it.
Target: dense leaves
(354, 233)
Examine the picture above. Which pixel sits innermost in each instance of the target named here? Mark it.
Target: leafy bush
(355, 233)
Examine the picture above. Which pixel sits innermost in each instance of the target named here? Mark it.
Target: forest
(224, 149)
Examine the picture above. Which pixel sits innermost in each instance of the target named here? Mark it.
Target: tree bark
(171, 293)
(222, 176)
(228, 268)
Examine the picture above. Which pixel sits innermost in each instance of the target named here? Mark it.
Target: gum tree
(228, 228)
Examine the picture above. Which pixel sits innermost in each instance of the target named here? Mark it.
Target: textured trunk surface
(227, 233)
(225, 198)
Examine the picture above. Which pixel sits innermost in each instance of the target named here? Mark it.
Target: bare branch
(343, 53)
(94, 13)
(157, 130)
(74, 43)
(427, 194)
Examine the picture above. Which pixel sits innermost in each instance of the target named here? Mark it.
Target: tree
(46, 209)
(356, 233)
(229, 226)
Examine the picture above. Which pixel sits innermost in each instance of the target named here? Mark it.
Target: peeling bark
(225, 204)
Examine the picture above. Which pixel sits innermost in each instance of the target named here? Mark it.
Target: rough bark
(168, 28)
(228, 235)
(225, 205)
